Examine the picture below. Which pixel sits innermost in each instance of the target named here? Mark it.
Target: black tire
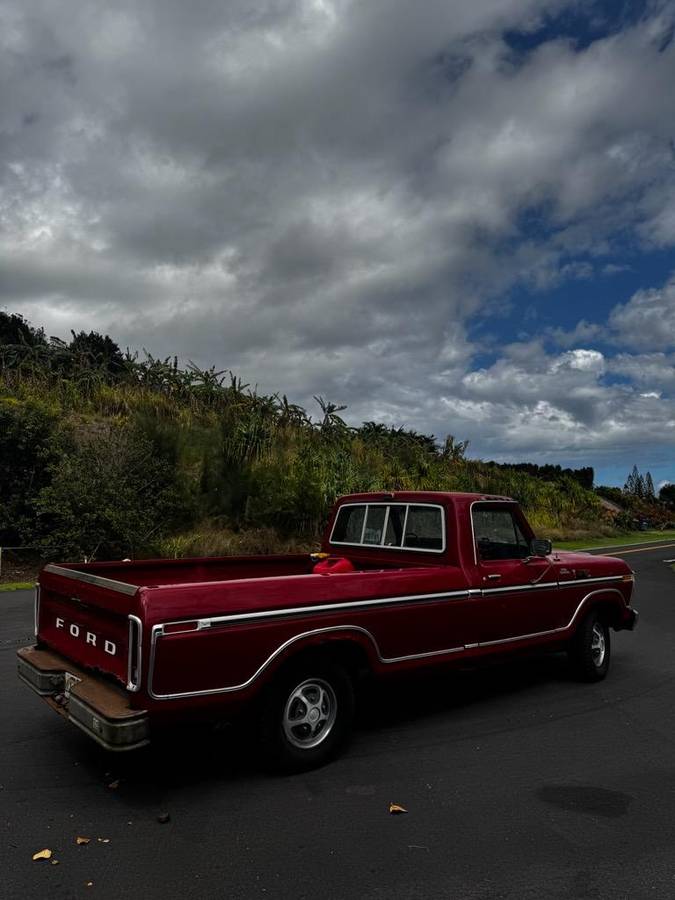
(590, 649)
(289, 740)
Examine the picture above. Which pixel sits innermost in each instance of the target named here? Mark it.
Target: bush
(110, 495)
(28, 449)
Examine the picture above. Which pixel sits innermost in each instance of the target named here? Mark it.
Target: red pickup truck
(405, 580)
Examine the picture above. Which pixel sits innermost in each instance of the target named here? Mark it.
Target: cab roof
(441, 497)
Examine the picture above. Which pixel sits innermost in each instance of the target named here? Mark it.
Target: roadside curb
(642, 545)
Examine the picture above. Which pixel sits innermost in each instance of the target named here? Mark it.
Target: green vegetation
(17, 586)
(617, 540)
(103, 454)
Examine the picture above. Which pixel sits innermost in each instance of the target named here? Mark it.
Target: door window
(498, 535)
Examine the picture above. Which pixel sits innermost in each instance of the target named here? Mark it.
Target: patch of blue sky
(581, 23)
(529, 312)
(613, 378)
(615, 475)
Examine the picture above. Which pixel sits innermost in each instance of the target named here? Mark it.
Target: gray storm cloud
(324, 196)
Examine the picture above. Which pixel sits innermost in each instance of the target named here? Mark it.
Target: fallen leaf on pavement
(397, 810)
(82, 840)
(43, 854)
(54, 862)
(103, 840)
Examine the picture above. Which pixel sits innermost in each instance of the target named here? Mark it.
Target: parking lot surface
(519, 783)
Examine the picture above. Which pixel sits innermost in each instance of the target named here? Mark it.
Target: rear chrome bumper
(98, 708)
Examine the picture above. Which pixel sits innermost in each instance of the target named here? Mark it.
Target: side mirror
(541, 547)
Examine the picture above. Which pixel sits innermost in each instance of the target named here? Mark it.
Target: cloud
(562, 404)
(645, 369)
(582, 333)
(328, 197)
(647, 321)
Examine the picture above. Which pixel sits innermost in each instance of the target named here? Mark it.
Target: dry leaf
(103, 840)
(396, 810)
(43, 854)
(90, 884)
(54, 862)
(82, 840)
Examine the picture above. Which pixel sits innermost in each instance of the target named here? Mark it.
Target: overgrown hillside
(105, 454)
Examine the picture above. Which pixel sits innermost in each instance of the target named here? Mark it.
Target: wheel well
(346, 653)
(607, 610)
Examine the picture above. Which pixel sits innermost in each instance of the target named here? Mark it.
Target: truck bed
(160, 572)
(169, 572)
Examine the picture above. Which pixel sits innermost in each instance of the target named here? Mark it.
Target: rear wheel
(306, 716)
(590, 649)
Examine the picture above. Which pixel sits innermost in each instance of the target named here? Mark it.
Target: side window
(498, 535)
(349, 525)
(374, 525)
(424, 528)
(394, 535)
(395, 525)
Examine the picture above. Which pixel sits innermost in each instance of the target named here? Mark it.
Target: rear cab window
(397, 526)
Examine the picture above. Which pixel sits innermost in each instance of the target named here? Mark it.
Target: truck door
(519, 594)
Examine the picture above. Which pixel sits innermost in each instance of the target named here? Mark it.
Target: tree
(615, 494)
(667, 495)
(453, 449)
(96, 351)
(331, 420)
(635, 484)
(649, 487)
(111, 495)
(14, 329)
(27, 450)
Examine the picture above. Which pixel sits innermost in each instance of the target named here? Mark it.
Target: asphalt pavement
(519, 783)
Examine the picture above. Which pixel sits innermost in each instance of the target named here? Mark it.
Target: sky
(455, 217)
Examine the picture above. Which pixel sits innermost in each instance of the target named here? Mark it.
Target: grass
(631, 537)
(17, 586)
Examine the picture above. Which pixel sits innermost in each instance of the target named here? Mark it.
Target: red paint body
(276, 607)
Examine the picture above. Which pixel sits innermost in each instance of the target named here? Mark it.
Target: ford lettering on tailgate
(89, 637)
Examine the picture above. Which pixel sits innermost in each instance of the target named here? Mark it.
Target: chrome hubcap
(598, 648)
(309, 714)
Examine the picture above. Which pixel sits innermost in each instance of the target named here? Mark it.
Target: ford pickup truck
(404, 581)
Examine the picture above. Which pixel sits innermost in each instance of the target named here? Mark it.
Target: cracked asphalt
(519, 783)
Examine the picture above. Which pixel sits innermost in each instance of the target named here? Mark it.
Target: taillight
(135, 654)
(37, 608)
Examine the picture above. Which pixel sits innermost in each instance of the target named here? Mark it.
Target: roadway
(519, 783)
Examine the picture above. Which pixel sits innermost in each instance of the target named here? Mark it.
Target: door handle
(491, 577)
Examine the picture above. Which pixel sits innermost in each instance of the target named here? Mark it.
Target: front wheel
(590, 649)
(306, 717)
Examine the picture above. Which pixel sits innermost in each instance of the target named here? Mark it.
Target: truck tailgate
(88, 624)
